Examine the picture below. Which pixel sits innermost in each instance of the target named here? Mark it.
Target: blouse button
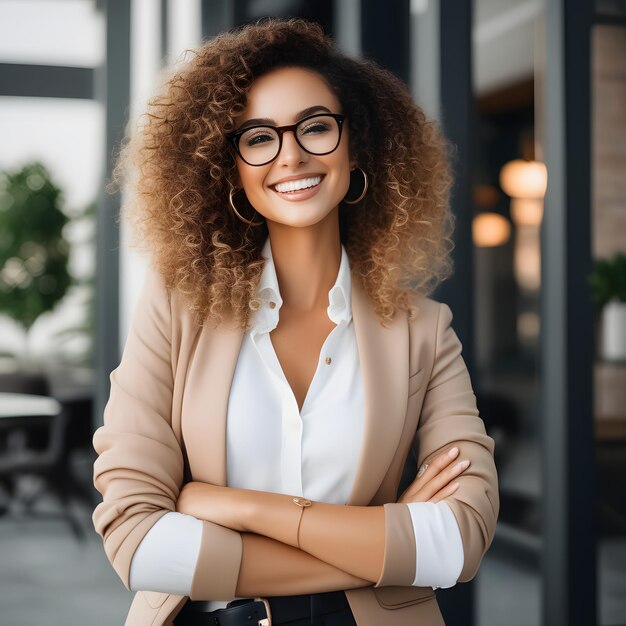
(328, 360)
(272, 304)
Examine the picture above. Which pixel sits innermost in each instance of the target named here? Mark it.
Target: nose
(291, 153)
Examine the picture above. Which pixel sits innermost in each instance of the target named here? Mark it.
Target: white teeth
(295, 185)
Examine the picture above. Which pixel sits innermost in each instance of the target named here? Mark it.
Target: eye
(257, 137)
(314, 127)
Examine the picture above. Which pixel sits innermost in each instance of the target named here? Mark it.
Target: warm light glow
(524, 179)
(527, 211)
(527, 258)
(490, 229)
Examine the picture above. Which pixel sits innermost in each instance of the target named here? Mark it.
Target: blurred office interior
(531, 92)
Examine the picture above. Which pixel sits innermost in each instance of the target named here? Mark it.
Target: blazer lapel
(205, 402)
(384, 358)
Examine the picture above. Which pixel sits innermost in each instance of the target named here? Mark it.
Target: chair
(35, 445)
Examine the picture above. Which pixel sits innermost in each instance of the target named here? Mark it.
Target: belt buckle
(266, 621)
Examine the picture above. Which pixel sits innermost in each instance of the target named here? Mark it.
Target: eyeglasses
(316, 134)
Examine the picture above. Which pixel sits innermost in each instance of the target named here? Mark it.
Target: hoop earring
(365, 186)
(243, 219)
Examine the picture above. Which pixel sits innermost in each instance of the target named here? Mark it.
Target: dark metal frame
(568, 506)
(113, 86)
(456, 116)
(383, 22)
(46, 81)
(457, 120)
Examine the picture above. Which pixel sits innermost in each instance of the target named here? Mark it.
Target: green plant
(34, 254)
(85, 329)
(608, 279)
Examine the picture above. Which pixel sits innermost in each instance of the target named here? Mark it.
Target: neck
(307, 262)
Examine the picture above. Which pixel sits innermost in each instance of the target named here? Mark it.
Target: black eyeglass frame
(236, 136)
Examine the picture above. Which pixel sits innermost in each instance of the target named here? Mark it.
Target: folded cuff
(219, 561)
(400, 556)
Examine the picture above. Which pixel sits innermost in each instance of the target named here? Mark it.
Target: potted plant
(608, 286)
(84, 330)
(34, 274)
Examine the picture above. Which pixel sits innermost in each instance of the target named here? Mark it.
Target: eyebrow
(267, 121)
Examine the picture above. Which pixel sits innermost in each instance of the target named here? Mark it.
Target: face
(282, 96)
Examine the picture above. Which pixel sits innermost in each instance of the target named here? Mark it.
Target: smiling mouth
(293, 186)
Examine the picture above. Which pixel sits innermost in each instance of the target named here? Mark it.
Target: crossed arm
(327, 546)
(350, 538)
(269, 567)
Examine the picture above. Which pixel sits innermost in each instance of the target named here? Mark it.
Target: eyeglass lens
(317, 135)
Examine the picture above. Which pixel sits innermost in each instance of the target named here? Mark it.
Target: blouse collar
(265, 318)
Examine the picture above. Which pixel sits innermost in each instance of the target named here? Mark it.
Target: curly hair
(178, 166)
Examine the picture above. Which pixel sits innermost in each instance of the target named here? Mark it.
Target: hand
(435, 483)
(222, 505)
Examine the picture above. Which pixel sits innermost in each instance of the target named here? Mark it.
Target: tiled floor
(48, 577)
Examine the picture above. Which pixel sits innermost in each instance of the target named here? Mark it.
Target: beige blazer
(165, 422)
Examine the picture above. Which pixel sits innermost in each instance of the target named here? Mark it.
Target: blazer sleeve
(139, 468)
(449, 418)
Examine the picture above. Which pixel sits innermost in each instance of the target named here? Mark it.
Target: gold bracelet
(302, 503)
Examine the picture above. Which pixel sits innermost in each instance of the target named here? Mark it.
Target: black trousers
(341, 617)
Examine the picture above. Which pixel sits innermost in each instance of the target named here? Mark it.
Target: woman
(284, 358)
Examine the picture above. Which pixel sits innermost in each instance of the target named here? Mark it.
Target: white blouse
(272, 446)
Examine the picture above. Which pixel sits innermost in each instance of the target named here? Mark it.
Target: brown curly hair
(179, 164)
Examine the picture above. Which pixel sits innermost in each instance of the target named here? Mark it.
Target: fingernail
(462, 464)
(452, 453)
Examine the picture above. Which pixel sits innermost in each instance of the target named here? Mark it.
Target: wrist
(275, 515)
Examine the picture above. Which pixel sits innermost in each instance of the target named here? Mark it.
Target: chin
(296, 211)
(302, 222)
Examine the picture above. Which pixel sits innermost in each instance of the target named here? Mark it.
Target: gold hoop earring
(365, 186)
(243, 219)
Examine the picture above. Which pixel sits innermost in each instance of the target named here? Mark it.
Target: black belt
(253, 612)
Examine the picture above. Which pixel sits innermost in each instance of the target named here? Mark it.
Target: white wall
(66, 135)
